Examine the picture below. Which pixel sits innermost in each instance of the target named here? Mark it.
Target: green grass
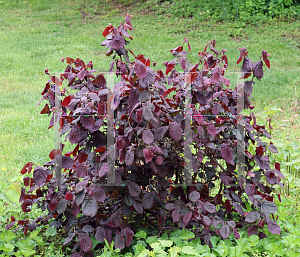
(34, 35)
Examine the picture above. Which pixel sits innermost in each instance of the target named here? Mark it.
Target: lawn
(34, 35)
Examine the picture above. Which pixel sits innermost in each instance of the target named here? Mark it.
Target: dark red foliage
(152, 111)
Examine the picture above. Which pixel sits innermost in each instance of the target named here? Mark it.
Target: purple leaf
(215, 110)
(200, 131)
(273, 148)
(187, 217)
(67, 162)
(211, 208)
(271, 177)
(26, 204)
(248, 88)
(86, 244)
(236, 233)
(243, 53)
(148, 136)
(100, 234)
(252, 217)
(279, 173)
(159, 133)
(227, 153)
(117, 42)
(194, 196)
(69, 238)
(99, 193)
(129, 157)
(10, 224)
(224, 231)
(127, 20)
(81, 75)
(247, 67)
(148, 155)
(225, 179)
(170, 206)
(134, 97)
(230, 223)
(119, 241)
(73, 135)
(183, 66)
(250, 191)
(252, 230)
(273, 227)
(103, 170)
(147, 113)
(140, 69)
(90, 206)
(61, 206)
(150, 78)
(138, 206)
(148, 200)
(134, 189)
(87, 229)
(129, 236)
(175, 131)
(87, 122)
(175, 216)
(40, 175)
(159, 160)
(206, 221)
(269, 207)
(257, 69)
(238, 208)
(211, 129)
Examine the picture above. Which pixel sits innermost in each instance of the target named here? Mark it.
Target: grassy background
(34, 35)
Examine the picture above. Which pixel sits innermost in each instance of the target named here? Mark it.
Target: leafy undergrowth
(47, 241)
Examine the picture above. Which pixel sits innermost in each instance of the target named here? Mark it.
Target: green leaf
(31, 243)
(95, 242)
(39, 240)
(141, 234)
(34, 233)
(51, 231)
(16, 186)
(7, 235)
(3, 197)
(174, 251)
(138, 249)
(27, 253)
(151, 239)
(189, 250)
(219, 249)
(186, 234)
(176, 240)
(7, 248)
(12, 195)
(254, 240)
(273, 247)
(128, 255)
(202, 248)
(141, 242)
(156, 246)
(166, 243)
(214, 240)
(144, 253)
(22, 244)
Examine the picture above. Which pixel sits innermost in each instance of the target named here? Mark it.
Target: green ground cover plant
(254, 11)
(47, 32)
